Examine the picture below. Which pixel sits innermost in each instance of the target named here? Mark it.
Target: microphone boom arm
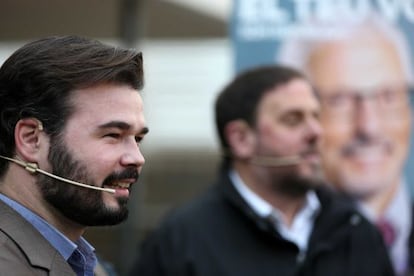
(33, 168)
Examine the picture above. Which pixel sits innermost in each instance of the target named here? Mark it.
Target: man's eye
(388, 96)
(292, 119)
(112, 135)
(341, 100)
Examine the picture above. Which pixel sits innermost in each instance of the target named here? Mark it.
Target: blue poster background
(257, 28)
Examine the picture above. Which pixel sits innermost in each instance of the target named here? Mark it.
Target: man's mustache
(129, 173)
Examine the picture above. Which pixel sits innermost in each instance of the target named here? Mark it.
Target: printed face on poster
(358, 56)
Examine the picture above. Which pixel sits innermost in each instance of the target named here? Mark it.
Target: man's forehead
(292, 95)
(353, 66)
(101, 105)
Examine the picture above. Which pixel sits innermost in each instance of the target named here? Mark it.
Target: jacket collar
(36, 248)
(336, 214)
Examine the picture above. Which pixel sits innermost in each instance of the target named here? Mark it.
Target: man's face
(288, 125)
(99, 146)
(365, 113)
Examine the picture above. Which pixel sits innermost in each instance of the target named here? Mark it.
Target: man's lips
(372, 153)
(310, 154)
(121, 184)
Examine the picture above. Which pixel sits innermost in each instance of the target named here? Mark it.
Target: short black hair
(37, 81)
(239, 99)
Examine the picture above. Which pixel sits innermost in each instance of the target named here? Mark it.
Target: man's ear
(27, 136)
(241, 139)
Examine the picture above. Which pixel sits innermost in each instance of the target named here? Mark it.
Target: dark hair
(37, 81)
(239, 99)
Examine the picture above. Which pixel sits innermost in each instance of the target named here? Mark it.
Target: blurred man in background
(362, 77)
(268, 212)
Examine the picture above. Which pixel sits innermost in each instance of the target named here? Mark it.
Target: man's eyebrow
(121, 125)
(115, 124)
(144, 130)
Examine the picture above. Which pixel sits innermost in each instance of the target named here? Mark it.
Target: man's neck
(27, 193)
(287, 205)
(378, 202)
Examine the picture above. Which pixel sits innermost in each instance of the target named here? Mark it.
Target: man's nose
(132, 155)
(366, 117)
(314, 130)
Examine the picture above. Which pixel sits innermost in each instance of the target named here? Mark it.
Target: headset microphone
(33, 168)
(272, 161)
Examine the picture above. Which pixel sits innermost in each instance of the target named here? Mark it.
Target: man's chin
(116, 202)
(311, 173)
(363, 187)
(111, 217)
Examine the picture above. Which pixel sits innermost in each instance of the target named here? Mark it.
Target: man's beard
(291, 183)
(82, 205)
(295, 185)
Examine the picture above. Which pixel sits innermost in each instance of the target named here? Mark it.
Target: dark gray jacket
(218, 234)
(25, 252)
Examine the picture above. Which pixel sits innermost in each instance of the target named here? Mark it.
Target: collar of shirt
(59, 241)
(302, 224)
(399, 214)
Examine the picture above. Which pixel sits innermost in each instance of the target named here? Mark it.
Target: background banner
(358, 54)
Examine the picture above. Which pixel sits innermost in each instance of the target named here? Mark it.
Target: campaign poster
(356, 53)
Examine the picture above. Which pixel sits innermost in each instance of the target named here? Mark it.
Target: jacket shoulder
(24, 247)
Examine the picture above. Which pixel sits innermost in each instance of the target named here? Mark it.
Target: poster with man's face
(358, 56)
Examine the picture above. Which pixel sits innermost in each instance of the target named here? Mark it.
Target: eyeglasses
(387, 100)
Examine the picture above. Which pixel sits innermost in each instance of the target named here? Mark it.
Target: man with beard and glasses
(268, 212)
(71, 122)
(362, 76)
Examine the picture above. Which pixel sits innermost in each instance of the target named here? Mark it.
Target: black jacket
(411, 246)
(218, 234)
